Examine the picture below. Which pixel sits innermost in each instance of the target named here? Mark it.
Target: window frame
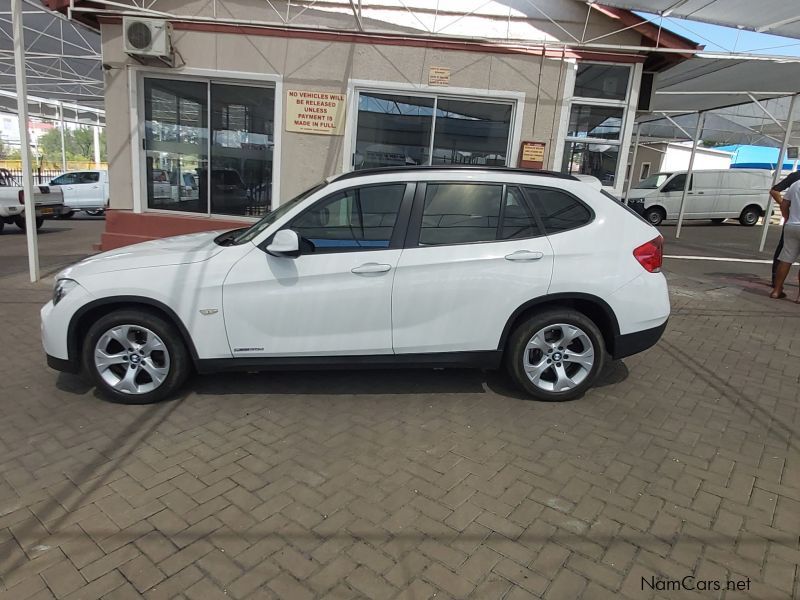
(627, 113)
(418, 208)
(136, 107)
(398, 234)
(532, 204)
(356, 86)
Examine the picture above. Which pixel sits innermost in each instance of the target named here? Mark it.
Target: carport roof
(778, 17)
(62, 60)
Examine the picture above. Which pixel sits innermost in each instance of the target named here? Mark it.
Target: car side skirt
(490, 359)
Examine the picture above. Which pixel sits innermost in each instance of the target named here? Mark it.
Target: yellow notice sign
(439, 76)
(315, 112)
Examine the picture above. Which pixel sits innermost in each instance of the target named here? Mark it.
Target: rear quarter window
(558, 210)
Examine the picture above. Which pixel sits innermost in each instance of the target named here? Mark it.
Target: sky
(728, 39)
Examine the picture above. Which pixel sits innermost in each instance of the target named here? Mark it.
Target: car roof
(406, 170)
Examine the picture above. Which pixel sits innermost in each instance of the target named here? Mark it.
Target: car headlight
(62, 288)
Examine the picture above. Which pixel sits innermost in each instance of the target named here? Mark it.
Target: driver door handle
(368, 268)
(524, 255)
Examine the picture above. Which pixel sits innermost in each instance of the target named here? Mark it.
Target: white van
(715, 194)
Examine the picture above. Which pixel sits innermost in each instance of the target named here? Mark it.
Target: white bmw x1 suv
(431, 266)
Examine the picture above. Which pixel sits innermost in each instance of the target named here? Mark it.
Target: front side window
(355, 219)
(208, 157)
(676, 184)
(88, 177)
(558, 210)
(399, 130)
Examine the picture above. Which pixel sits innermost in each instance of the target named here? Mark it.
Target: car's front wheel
(556, 355)
(655, 215)
(135, 357)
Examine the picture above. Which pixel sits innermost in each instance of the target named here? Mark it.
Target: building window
(397, 130)
(597, 114)
(208, 146)
(609, 82)
(644, 173)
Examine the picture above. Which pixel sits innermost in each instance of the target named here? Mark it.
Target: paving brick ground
(410, 484)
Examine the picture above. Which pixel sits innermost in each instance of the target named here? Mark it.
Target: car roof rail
(423, 168)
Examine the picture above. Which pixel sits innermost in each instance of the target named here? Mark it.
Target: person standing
(790, 206)
(775, 192)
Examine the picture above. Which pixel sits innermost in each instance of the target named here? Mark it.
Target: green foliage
(78, 144)
(8, 152)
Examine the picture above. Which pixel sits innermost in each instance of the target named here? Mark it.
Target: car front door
(88, 191)
(475, 253)
(67, 182)
(335, 297)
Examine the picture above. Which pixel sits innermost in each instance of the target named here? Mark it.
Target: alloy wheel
(131, 359)
(558, 357)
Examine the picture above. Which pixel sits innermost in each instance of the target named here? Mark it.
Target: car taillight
(651, 255)
(21, 196)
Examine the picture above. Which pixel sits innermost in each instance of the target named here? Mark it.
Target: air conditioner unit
(148, 39)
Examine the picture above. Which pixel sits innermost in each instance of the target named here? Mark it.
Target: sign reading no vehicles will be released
(315, 112)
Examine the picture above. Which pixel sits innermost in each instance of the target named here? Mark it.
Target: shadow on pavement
(355, 382)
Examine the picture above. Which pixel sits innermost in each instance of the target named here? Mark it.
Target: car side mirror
(285, 243)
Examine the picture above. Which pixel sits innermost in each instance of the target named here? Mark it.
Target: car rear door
(474, 254)
(335, 298)
(67, 184)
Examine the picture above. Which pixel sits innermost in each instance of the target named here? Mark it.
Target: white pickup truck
(49, 202)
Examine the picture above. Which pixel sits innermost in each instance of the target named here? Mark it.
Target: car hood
(178, 250)
(635, 194)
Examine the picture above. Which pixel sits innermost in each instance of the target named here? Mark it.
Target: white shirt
(793, 197)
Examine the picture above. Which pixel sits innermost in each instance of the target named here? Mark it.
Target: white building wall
(676, 158)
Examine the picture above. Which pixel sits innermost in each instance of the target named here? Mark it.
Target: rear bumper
(639, 341)
(62, 364)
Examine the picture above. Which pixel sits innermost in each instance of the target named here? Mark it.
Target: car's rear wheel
(68, 214)
(750, 216)
(135, 357)
(19, 221)
(655, 215)
(95, 213)
(556, 355)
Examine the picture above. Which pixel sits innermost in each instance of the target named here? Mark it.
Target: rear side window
(89, 177)
(463, 213)
(558, 210)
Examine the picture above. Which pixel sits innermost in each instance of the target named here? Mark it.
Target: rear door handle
(368, 268)
(524, 255)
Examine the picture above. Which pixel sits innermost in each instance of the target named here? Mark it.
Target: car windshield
(247, 235)
(653, 182)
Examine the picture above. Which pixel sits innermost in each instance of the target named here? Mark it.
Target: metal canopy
(62, 57)
(778, 17)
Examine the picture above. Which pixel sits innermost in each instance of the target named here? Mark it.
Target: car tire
(750, 216)
(655, 215)
(68, 215)
(2, 225)
(542, 336)
(717, 221)
(19, 221)
(161, 365)
(96, 213)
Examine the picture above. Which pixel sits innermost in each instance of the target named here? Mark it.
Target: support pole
(96, 143)
(61, 129)
(701, 118)
(24, 139)
(633, 158)
(778, 168)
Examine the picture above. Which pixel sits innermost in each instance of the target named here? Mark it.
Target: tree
(8, 152)
(78, 144)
